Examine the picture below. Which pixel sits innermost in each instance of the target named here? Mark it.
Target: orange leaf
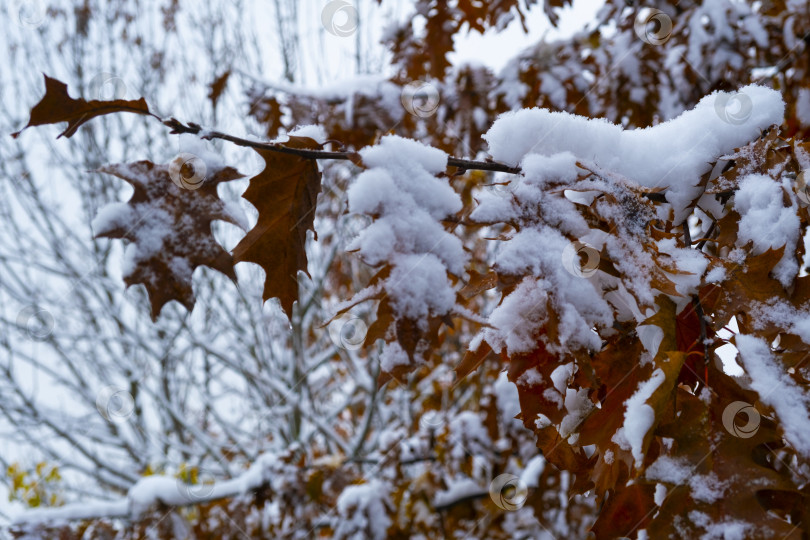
(478, 283)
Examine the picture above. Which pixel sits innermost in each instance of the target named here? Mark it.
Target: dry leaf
(57, 106)
(285, 194)
(170, 230)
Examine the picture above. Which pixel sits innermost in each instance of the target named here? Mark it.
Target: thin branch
(196, 129)
(708, 235)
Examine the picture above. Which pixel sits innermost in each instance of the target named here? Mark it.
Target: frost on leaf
(285, 194)
(169, 230)
(57, 106)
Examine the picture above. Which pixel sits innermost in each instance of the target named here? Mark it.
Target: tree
(643, 289)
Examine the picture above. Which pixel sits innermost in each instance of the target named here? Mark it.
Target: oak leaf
(626, 510)
(170, 229)
(57, 106)
(285, 194)
(730, 477)
(473, 359)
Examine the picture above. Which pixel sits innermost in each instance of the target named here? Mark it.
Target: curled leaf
(57, 106)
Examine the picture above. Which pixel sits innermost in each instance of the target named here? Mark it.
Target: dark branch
(195, 129)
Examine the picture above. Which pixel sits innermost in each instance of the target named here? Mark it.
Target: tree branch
(195, 129)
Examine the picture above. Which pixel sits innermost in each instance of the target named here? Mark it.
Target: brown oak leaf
(285, 194)
(57, 106)
(169, 227)
(723, 476)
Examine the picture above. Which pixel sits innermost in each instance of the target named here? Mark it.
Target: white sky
(495, 49)
(325, 58)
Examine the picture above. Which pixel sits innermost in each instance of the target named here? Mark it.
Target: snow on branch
(672, 155)
(156, 490)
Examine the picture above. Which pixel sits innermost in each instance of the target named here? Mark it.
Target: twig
(708, 235)
(196, 129)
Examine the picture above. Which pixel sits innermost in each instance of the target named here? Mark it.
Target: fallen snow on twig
(672, 155)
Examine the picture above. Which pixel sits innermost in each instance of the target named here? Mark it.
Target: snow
(561, 167)
(508, 401)
(530, 377)
(458, 489)
(578, 406)
(672, 155)
(542, 421)
(530, 477)
(401, 192)
(716, 275)
(724, 530)
(765, 221)
(362, 510)
(560, 376)
(392, 356)
(669, 470)
(469, 435)
(706, 488)
(660, 494)
(556, 152)
(782, 314)
(576, 302)
(74, 511)
(148, 237)
(111, 217)
(638, 418)
(151, 490)
(418, 286)
(315, 132)
(688, 260)
(778, 390)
